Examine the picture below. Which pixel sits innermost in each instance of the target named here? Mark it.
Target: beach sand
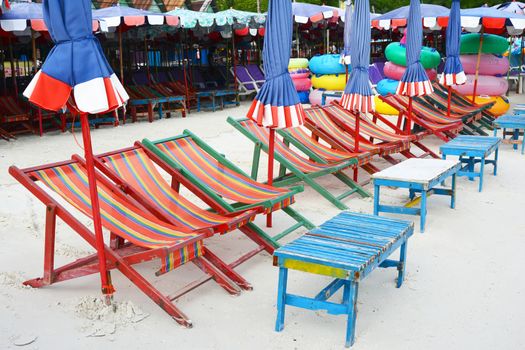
(464, 287)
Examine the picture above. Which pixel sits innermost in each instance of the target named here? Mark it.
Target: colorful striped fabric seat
(14, 118)
(137, 170)
(222, 185)
(224, 181)
(119, 215)
(295, 167)
(328, 154)
(366, 128)
(318, 119)
(443, 131)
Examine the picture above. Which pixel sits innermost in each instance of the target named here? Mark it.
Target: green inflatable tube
(396, 53)
(492, 44)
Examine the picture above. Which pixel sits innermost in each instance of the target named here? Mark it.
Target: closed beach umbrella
(453, 73)
(277, 104)
(76, 75)
(415, 81)
(358, 95)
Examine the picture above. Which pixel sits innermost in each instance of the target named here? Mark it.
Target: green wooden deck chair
(294, 167)
(223, 185)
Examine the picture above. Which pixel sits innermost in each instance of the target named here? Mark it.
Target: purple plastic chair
(374, 75)
(256, 73)
(247, 85)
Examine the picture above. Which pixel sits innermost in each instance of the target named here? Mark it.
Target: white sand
(464, 287)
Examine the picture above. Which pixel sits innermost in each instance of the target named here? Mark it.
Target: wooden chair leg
(49, 245)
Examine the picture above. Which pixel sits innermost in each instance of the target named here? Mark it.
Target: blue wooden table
(348, 248)
(516, 123)
(472, 150)
(418, 176)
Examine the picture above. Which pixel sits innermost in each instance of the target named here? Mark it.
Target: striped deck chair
(373, 132)
(321, 125)
(445, 132)
(421, 106)
(222, 185)
(462, 101)
(14, 119)
(136, 235)
(294, 167)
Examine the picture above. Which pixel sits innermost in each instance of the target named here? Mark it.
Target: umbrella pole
(271, 152)
(33, 48)
(234, 62)
(449, 100)
(477, 66)
(121, 54)
(105, 277)
(13, 68)
(509, 56)
(356, 140)
(408, 120)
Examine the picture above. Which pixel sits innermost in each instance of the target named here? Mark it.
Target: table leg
(351, 301)
(471, 165)
(444, 156)
(481, 171)
(495, 131)
(423, 210)
(402, 264)
(281, 298)
(453, 196)
(523, 143)
(496, 161)
(516, 137)
(376, 199)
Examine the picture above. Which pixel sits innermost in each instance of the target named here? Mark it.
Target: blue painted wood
(514, 122)
(413, 187)
(356, 243)
(472, 150)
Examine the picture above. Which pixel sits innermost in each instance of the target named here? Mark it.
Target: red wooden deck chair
(462, 102)
(139, 103)
(14, 118)
(136, 235)
(323, 126)
(443, 131)
(294, 167)
(373, 132)
(132, 170)
(222, 185)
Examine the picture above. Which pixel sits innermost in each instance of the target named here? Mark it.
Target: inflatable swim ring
(488, 64)
(384, 108)
(302, 84)
(304, 96)
(326, 64)
(396, 53)
(387, 86)
(329, 81)
(298, 63)
(501, 106)
(298, 73)
(316, 97)
(394, 71)
(493, 44)
(487, 85)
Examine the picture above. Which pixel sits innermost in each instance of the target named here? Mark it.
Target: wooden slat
(140, 4)
(169, 5)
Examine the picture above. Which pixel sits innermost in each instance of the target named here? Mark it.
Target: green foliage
(251, 5)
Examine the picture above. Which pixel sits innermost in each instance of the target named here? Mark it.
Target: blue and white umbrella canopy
(277, 104)
(358, 95)
(76, 73)
(512, 7)
(453, 73)
(415, 81)
(345, 55)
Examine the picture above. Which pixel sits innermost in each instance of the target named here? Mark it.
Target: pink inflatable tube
(302, 84)
(316, 97)
(395, 72)
(488, 64)
(487, 85)
(299, 73)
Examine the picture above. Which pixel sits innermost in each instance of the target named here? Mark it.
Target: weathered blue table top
(510, 121)
(349, 241)
(465, 144)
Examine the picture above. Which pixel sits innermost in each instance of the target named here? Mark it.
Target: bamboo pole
(477, 66)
